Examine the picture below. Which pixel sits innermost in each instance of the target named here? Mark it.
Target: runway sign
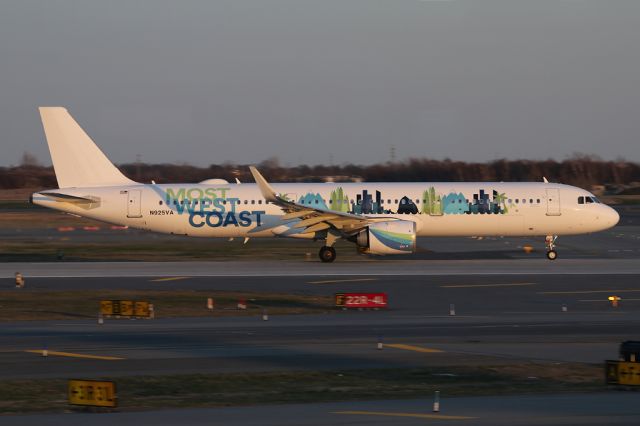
(623, 373)
(125, 308)
(611, 372)
(92, 393)
(141, 309)
(361, 300)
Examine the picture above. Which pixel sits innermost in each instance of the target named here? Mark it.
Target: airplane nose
(613, 216)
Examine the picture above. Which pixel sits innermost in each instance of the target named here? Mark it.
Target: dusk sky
(241, 81)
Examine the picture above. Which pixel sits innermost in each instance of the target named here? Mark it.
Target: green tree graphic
(339, 201)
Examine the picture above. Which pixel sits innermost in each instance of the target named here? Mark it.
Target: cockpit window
(590, 199)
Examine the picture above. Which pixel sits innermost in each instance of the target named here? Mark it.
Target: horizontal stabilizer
(68, 198)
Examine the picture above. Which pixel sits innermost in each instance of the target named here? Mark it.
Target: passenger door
(553, 202)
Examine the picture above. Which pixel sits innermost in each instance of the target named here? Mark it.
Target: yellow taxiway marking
(628, 290)
(414, 415)
(413, 348)
(352, 280)
(486, 285)
(157, 280)
(72, 355)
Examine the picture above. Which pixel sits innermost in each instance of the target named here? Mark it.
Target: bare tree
(29, 160)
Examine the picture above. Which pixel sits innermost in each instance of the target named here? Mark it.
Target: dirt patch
(21, 305)
(154, 392)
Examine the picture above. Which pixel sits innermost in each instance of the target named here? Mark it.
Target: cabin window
(246, 201)
(538, 201)
(517, 200)
(424, 201)
(160, 202)
(396, 201)
(510, 201)
(530, 200)
(388, 201)
(524, 201)
(253, 201)
(417, 201)
(259, 201)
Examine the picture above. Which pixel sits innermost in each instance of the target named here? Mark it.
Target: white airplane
(379, 218)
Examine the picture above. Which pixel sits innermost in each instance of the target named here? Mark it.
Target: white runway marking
(383, 268)
(486, 285)
(341, 281)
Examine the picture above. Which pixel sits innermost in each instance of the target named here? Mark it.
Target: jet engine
(389, 237)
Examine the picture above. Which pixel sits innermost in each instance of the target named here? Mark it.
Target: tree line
(583, 171)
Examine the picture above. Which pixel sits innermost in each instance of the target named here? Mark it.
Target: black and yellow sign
(93, 393)
(623, 373)
(611, 372)
(141, 309)
(125, 308)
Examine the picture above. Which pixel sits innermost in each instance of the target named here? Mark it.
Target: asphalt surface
(498, 319)
(613, 408)
(508, 305)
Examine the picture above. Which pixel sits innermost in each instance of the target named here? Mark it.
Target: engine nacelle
(390, 237)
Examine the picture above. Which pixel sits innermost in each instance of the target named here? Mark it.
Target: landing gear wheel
(327, 254)
(550, 242)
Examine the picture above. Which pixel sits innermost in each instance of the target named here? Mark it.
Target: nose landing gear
(550, 243)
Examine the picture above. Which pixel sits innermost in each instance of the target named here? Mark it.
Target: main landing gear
(550, 242)
(327, 254)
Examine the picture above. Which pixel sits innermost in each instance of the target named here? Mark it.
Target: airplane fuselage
(438, 209)
(379, 218)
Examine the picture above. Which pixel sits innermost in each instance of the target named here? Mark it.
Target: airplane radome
(379, 218)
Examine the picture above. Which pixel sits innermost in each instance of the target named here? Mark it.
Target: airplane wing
(313, 219)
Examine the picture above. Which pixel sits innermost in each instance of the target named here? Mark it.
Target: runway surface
(508, 305)
(498, 319)
(614, 408)
(260, 268)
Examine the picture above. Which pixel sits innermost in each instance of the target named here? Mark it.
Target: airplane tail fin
(77, 161)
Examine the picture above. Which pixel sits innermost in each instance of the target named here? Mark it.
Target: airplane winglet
(267, 191)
